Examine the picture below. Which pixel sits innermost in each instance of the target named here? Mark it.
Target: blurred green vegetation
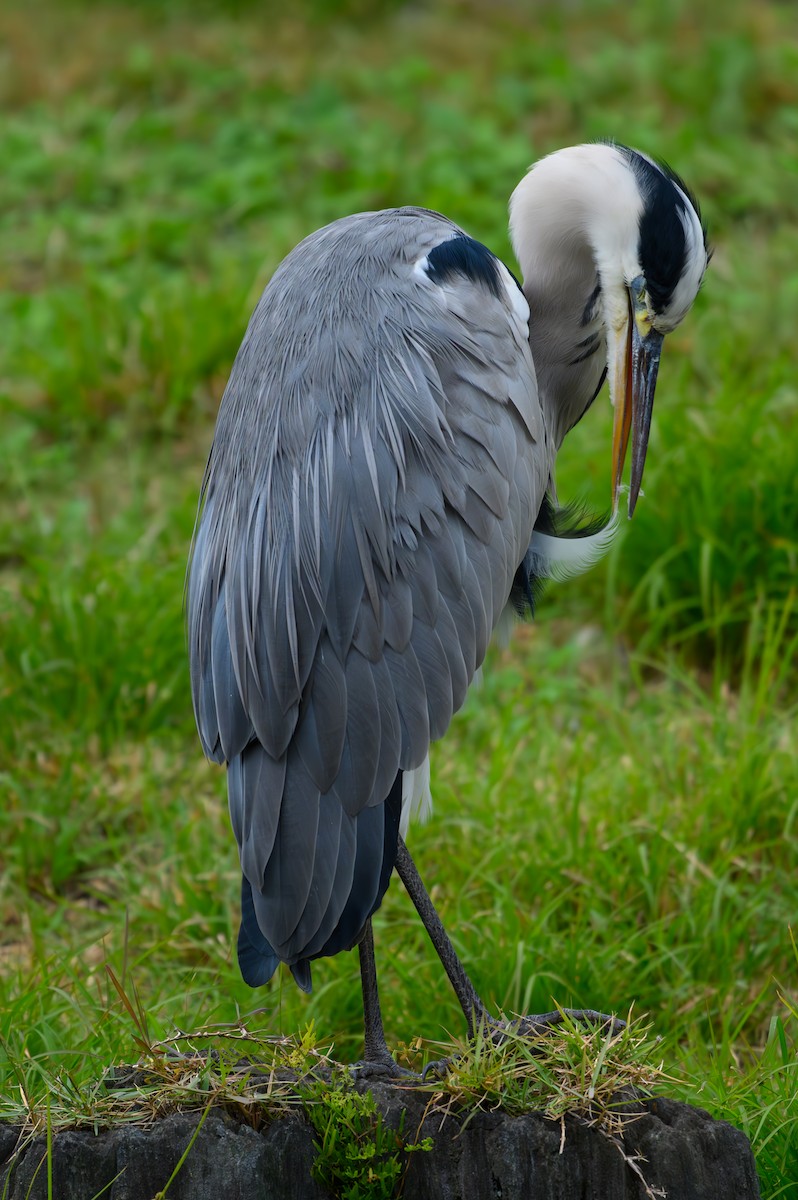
(615, 810)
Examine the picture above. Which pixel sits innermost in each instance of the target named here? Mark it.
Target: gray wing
(378, 464)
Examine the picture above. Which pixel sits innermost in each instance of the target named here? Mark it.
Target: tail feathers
(302, 976)
(376, 844)
(256, 958)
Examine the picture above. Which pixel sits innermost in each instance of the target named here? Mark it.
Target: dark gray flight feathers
(372, 488)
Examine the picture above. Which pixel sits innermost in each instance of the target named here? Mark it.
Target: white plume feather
(416, 797)
(563, 557)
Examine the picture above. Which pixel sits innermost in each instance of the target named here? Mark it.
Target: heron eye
(643, 313)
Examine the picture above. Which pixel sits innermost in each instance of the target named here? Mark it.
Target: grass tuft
(572, 1068)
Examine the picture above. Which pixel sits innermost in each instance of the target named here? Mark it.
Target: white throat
(579, 201)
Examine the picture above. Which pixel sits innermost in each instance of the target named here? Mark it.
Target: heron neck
(568, 341)
(570, 218)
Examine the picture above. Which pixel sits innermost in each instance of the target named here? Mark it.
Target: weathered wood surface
(681, 1151)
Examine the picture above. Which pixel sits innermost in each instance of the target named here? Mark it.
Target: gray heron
(380, 489)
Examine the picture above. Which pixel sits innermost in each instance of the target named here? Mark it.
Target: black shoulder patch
(465, 256)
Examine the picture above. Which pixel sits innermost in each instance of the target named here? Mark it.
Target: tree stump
(669, 1150)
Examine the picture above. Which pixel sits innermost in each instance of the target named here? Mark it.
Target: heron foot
(531, 1026)
(384, 1068)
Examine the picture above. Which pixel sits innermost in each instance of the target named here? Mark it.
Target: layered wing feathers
(378, 464)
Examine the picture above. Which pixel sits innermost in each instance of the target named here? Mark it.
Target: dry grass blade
(633, 1163)
(265, 1084)
(134, 1009)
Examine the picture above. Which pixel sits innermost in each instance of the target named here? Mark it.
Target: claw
(439, 1068)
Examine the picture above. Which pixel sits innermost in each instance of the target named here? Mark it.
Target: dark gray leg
(376, 1048)
(377, 1059)
(473, 1008)
(476, 1014)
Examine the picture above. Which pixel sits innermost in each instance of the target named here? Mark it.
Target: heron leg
(377, 1059)
(476, 1014)
(376, 1048)
(474, 1010)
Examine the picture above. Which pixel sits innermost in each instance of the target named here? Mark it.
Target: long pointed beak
(635, 379)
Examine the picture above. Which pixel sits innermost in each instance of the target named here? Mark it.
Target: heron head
(648, 290)
(611, 242)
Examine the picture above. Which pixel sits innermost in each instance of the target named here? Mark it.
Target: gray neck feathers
(568, 340)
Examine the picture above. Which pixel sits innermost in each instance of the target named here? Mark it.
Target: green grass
(616, 807)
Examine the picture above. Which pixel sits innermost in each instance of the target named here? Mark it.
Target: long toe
(537, 1023)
